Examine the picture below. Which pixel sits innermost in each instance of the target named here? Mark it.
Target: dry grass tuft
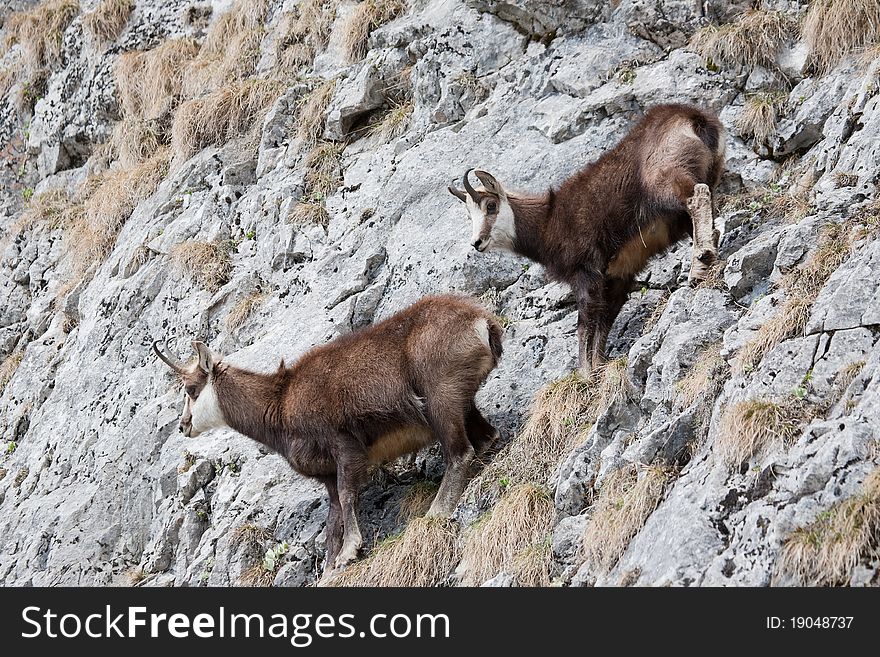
(304, 32)
(221, 116)
(245, 307)
(842, 179)
(703, 384)
(8, 76)
(531, 566)
(108, 19)
(750, 427)
(772, 202)
(614, 385)
(846, 375)
(801, 286)
(561, 413)
(115, 195)
(133, 577)
(705, 374)
(417, 500)
(323, 175)
(867, 222)
(312, 112)
(395, 120)
(148, 82)
(518, 524)
(257, 576)
(250, 538)
(835, 28)
(423, 555)
(8, 367)
(231, 49)
(51, 209)
(753, 39)
(309, 213)
(208, 264)
(134, 141)
(365, 18)
(39, 32)
(624, 503)
(323, 169)
(825, 552)
(759, 115)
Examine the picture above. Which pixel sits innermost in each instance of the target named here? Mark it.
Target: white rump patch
(482, 328)
(206, 413)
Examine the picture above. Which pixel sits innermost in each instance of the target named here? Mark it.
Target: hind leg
(616, 292)
(589, 291)
(480, 433)
(705, 252)
(448, 423)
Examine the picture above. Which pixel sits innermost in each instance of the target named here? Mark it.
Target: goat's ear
(489, 182)
(207, 358)
(457, 193)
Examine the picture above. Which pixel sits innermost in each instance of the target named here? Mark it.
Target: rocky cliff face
(278, 178)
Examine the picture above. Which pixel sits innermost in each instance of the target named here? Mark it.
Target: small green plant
(11, 446)
(273, 556)
(206, 572)
(27, 194)
(251, 235)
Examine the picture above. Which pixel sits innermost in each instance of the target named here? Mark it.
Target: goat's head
(490, 212)
(201, 410)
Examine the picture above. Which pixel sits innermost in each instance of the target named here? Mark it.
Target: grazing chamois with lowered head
(600, 227)
(361, 400)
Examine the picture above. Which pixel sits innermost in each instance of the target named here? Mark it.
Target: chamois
(363, 399)
(600, 227)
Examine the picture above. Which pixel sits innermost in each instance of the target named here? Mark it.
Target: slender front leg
(589, 292)
(449, 426)
(334, 528)
(349, 474)
(705, 251)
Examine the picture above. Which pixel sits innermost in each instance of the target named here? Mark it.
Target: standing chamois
(362, 400)
(598, 230)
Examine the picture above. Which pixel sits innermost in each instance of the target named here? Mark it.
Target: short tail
(495, 333)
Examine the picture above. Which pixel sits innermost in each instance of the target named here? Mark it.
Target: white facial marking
(502, 235)
(206, 413)
(477, 218)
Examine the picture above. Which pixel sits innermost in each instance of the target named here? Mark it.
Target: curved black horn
(177, 367)
(469, 188)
